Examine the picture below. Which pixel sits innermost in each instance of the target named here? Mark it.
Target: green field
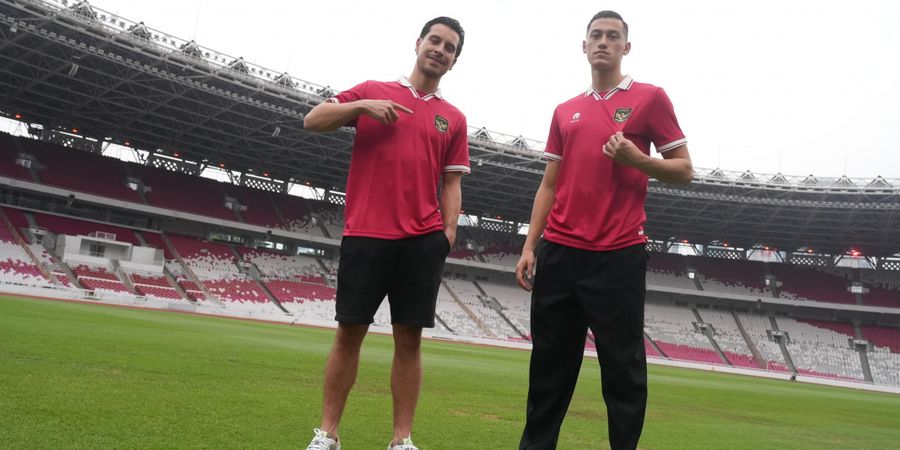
(87, 376)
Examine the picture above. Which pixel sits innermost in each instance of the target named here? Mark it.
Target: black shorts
(407, 271)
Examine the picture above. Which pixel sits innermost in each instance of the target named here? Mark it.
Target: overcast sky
(790, 86)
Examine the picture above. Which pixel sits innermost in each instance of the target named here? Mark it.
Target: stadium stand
(820, 351)
(886, 337)
(730, 276)
(811, 284)
(15, 263)
(289, 278)
(882, 296)
(457, 319)
(156, 240)
(297, 214)
(8, 156)
(672, 329)
(278, 265)
(331, 218)
(169, 190)
(514, 302)
(259, 206)
(290, 291)
(74, 227)
(22, 267)
(215, 265)
(153, 286)
(664, 269)
(477, 303)
(98, 279)
(757, 327)
(729, 338)
(43, 256)
(66, 168)
(504, 253)
(884, 355)
(689, 353)
(322, 311)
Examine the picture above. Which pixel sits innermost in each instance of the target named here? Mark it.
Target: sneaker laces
(321, 441)
(405, 444)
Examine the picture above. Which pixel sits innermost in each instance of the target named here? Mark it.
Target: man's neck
(605, 80)
(424, 84)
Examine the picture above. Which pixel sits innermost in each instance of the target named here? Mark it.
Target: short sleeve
(554, 149)
(665, 133)
(353, 94)
(457, 157)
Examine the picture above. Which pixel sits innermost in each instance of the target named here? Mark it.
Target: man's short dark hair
(607, 14)
(451, 23)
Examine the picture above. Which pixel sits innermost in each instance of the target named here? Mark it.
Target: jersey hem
(390, 236)
(594, 248)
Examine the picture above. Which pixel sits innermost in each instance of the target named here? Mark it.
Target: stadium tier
(821, 352)
(669, 270)
(257, 207)
(515, 305)
(201, 196)
(330, 218)
(812, 284)
(8, 155)
(182, 193)
(61, 167)
(758, 329)
(723, 275)
(729, 338)
(481, 308)
(75, 227)
(296, 213)
(887, 337)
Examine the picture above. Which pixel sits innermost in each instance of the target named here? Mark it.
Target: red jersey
(395, 169)
(599, 204)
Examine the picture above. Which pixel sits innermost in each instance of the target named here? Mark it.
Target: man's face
(436, 52)
(606, 43)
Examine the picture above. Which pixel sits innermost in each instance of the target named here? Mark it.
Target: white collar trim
(624, 85)
(405, 83)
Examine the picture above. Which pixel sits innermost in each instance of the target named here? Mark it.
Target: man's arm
(451, 203)
(543, 203)
(328, 116)
(675, 167)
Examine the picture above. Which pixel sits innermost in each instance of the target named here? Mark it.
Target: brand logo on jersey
(575, 117)
(441, 124)
(622, 114)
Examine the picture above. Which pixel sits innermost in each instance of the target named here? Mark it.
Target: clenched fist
(623, 151)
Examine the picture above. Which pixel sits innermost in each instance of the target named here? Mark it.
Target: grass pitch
(79, 376)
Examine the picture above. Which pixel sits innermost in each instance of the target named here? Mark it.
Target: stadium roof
(70, 65)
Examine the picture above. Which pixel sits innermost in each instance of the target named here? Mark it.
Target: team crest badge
(441, 124)
(622, 114)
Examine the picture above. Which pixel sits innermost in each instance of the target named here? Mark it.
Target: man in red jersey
(592, 261)
(397, 233)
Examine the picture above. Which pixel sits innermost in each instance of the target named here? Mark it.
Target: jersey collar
(623, 86)
(405, 83)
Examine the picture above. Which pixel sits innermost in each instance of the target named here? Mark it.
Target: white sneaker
(321, 441)
(405, 444)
